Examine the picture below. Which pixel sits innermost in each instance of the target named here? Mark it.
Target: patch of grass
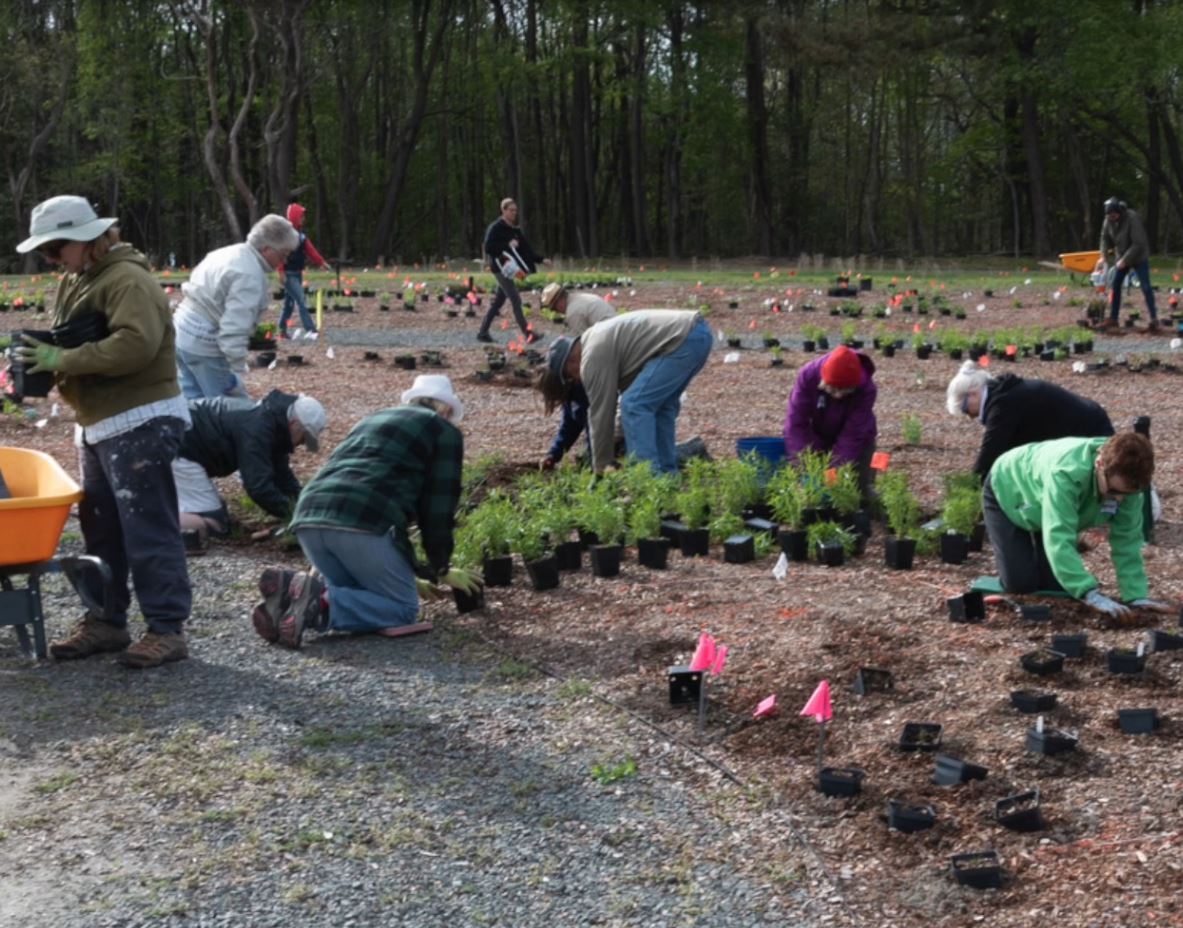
(605, 774)
(320, 739)
(56, 783)
(300, 892)
(510, 670)
(572, 690)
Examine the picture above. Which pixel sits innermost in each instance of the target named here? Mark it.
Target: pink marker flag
(704, 654)
(720, 661)
(819, 703)
(766, 709)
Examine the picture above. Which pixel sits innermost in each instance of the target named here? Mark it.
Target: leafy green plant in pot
(903, 518)
(739, 483)
(531, 541)
(466, 555)
(644, 525)
(846, 497)
(787, 499)
(814, 466)
(961, 514)
(831, 543)
(492, 525)
(599, 512)
(693, 503)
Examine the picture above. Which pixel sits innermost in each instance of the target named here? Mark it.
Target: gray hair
(437, 406)
(968, 379)
(275, 232)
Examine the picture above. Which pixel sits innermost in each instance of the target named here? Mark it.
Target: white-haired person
(396, 467)
(120, 377)
(1015, 412)
(223, 301)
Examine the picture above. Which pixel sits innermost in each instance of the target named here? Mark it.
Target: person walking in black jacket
(1017, 412)
(255, 439)
(509, 256)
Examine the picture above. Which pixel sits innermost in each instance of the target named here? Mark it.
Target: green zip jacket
(1051, 487)
(136, 363)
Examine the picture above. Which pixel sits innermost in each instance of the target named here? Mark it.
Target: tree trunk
(279, 132)
(758, 134)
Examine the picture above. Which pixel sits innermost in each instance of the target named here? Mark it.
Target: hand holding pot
(38, 356)
(1152, 605)
(1102, 603)
(464, 580)
(547, 463)
(427, 590)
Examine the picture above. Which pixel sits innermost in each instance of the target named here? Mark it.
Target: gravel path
(423, 781)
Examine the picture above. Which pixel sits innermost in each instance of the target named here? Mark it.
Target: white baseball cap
(436, 387)
(311, 416)
(63, 218)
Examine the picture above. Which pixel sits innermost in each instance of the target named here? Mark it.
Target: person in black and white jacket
(508, 254)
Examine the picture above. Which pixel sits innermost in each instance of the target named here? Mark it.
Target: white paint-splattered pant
(129, 519)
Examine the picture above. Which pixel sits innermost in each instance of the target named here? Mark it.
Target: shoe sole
(397, 631)
(305, 593)
(272, 586)
(61, 655)
(136, 663)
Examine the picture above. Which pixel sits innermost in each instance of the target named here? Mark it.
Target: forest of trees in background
(659, 129)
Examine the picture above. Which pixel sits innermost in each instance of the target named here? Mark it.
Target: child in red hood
(293, 274)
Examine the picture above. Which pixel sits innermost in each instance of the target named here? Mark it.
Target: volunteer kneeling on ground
(231, 434)
(395, 467)
(1038, 496)
(647, 358)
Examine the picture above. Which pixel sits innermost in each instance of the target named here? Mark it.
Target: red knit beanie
(842, 369)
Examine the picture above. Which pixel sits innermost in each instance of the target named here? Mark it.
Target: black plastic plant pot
(498, 571)
(977, 538)
(1138, 721)
(605, 560)
(544, 572)
(761, 525)
(873, 680)
(968, 607)
(1165, 641)
(587, 539)
(1042, 662)
(831, 553)
(1019, 812)
(1038, 613)
(296, 360)
(685, 685)
(569, 555)
(979, 870)
(823, 343)
(909, 818)
(696, 542)
(264, 358)
(808, 345)
(954, 548)
(468, 603)
(1071, 645)
(1125, 660)
(920, 736)
(1033, 701)
(888, 351)
(899, 552)
(840, 781)
(408, 362)
(858, 523)
(923, 352)
(952, 771)
(794, 543)
(24, 383)
(1050, 741)
(739, 549)
(673, 530)
(653, 552)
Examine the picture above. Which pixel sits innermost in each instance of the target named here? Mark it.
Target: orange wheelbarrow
(31, 522)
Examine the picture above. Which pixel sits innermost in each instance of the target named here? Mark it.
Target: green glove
(464, 580)
(5, 341)
(427, 590)
(38, 356)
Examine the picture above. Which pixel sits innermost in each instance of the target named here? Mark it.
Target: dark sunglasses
(52, 250)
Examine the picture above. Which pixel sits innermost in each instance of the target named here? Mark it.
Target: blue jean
(371, 585)
(506, 289)
(1119, 276)
(201, 376)
(649, 407)
(129, 518)
(293, 295)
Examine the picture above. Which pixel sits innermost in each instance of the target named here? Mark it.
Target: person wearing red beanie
(832, 408)
(293, 275)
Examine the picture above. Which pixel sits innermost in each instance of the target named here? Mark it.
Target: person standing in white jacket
(223, 300)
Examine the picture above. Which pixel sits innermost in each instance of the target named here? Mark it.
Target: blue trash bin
(771, 450)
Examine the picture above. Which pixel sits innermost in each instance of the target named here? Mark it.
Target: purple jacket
(817, 421)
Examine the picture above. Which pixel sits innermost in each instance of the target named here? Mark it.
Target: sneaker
(303, 610)
(1108, 325)
(534, 337)
(152, 650)
(484, 337)
(273, 585)
(1153, 326)
(90, 636)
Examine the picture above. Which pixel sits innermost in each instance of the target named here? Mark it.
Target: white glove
(1153, 605)
(1102, 603)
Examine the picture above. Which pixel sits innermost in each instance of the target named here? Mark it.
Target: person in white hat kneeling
(395, 467)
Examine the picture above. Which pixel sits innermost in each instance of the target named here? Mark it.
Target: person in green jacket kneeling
(1038, 496)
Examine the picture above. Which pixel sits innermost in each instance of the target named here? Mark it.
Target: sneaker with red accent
(303, 610)
(273, 585)
(534, 337)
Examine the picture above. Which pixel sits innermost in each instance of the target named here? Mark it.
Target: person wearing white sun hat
(395, 467)
(118, 372)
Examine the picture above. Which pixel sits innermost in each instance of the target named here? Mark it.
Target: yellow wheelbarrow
(31, 521)
(1080, 262)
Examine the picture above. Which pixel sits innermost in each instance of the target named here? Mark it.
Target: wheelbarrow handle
(75, 567)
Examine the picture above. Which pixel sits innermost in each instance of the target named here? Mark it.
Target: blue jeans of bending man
(371, 585)
(1119, 276)
(129, 518)
(201, 376)
(649, 407)
(293, 296)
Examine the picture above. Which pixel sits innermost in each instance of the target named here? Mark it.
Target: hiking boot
(1108, 325)
(273, 585)
(1153, 326)
(152, 650)
(90, 636)
(484, 337)
(303, 611)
